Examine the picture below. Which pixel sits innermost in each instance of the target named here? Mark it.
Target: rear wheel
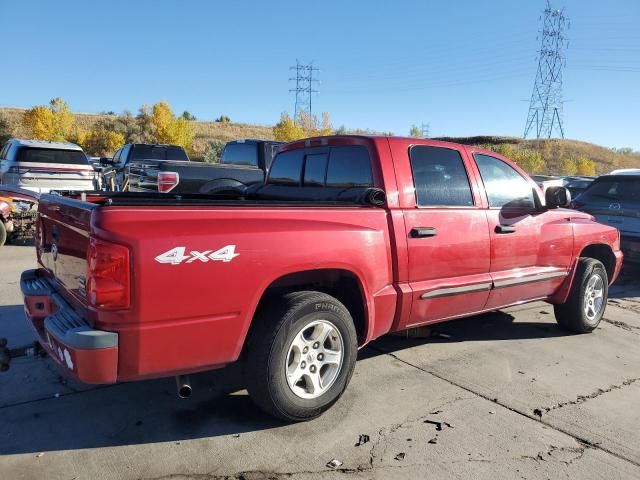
(587, 300)
(3, 233)
(301, 355)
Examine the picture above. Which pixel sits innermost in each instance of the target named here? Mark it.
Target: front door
(531, 248)
(448, 238)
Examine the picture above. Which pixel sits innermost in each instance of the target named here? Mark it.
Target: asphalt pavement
(506, 395)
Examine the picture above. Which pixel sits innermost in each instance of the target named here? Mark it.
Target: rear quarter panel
(195, 315)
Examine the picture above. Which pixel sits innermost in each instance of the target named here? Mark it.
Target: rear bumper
(630, 246)
(89, 355)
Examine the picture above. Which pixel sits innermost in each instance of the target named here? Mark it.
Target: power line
(545, 107)
(304, 88)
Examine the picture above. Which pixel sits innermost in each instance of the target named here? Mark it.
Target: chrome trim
(538, 277)
(443, 292)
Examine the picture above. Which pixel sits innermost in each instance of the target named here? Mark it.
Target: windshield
(143, 152)
(622, 189)
(44, 155)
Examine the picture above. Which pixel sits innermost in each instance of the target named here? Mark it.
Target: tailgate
(62, 240)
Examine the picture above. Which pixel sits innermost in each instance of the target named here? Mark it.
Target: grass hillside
(553, 151)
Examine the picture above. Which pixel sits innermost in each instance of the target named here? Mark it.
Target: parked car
(243, 163)
(350, 238)
(577, 185)
(18, 208)
(42, 166)
(615, 200)
(626, 171)
(546, 181)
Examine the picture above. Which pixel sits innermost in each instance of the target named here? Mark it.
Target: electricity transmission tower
(304, 87)
(545, 108)
(424, 130)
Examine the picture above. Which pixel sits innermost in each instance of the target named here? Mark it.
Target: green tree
(188, 117)
(213, 152)
(223, 119)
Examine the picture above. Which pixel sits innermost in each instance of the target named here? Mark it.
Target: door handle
(505, 229)
(423, 232)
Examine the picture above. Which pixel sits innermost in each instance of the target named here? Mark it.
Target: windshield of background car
(619, 189)
(43, 155)
(241, 154)
(144, 152)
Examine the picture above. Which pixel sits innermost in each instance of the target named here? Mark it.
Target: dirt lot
(508, 395)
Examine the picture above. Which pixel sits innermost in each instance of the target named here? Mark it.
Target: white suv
(43, 166)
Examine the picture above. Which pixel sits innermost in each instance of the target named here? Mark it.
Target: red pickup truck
(350, 238)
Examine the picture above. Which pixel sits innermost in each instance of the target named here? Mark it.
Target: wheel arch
(603, 253)
(598, 251)
(342, 284)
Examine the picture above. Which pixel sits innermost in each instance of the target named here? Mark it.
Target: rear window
(623, 189)
(349, 167)
(43, 155)
(287, 168)
(149, 152)
(338, 167)
(241, 154)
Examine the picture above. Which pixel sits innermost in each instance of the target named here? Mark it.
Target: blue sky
(466, 67)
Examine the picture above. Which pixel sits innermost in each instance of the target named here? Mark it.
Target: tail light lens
(167, 181)
(108, 275)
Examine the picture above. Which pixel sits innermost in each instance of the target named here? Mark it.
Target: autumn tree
(5, 129)
(286, 130)
(569, 166)
(586, 167)
(169, 129)
(415, 131)
(102, 140)
(222, 119)
(54, 122)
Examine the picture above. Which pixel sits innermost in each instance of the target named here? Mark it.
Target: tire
(587, 299)
(276, 355)
(3, 234)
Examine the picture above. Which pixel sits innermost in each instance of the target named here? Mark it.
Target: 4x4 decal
(177, 255)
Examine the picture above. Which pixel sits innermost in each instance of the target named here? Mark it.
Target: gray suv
(615, 200)
(43, 166)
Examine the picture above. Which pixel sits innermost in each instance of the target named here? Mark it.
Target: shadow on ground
(150, 412)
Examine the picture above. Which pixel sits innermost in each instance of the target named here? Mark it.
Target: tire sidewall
(594, 268)
(281, 393)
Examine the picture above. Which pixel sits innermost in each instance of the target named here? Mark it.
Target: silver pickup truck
(42, 166)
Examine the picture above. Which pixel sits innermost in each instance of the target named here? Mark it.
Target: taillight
(108, 283)
(167, 181)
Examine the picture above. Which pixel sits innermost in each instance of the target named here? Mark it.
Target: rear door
(531, 249)
(447, 234)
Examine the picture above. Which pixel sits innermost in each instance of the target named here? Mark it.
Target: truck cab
(348, 239)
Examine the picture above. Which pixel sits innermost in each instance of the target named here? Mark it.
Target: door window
(440, 177)
(505, 187)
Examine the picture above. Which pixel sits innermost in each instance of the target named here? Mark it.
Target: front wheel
(301, 355)
(587, 299)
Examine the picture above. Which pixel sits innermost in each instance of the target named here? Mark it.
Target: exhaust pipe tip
(183, 384)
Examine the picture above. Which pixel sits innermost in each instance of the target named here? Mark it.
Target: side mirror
(556, 197)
